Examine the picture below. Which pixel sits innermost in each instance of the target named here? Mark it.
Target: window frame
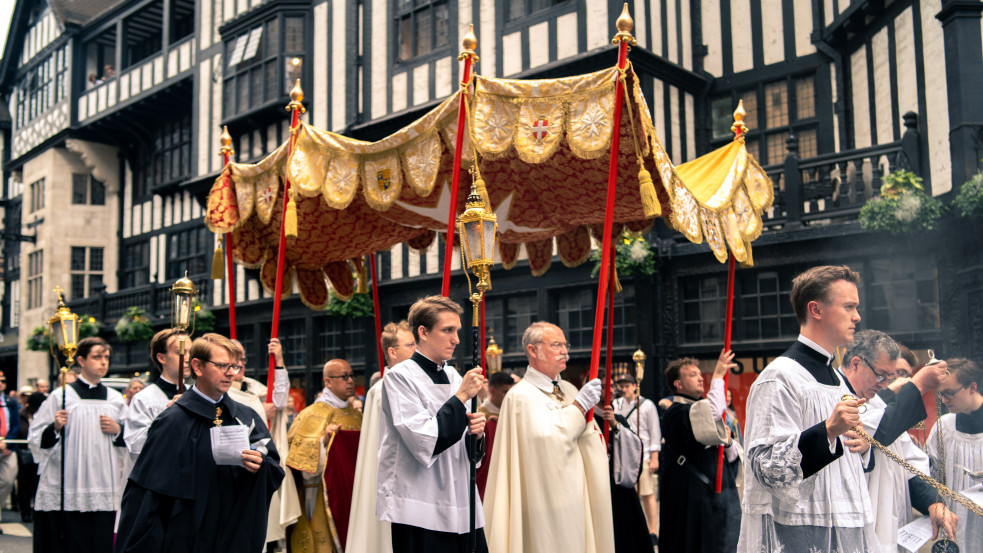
(435, 51)
(42, 86)
(87, 271)
(89, 189)
(130, 273)
(38, 190)
(35, 279)
(179, 260)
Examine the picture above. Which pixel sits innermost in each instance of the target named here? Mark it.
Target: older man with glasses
(324, 447)
(894, 405)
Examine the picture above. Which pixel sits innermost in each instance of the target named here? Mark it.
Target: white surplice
(548, 486)
(91, 460)
(783, 511)
(416, 487)
(643, 418)
(375, 535)
(965, 450)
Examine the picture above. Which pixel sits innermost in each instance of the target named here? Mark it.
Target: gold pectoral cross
(218, 417)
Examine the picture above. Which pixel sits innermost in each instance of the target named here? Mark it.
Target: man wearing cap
(643, 419)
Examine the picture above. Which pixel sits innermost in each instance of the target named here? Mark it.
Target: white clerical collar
(164, 378)
(540, 380)
(210, 400)
(816, 347)
(327, 396)
(87, 383)
(487, 405)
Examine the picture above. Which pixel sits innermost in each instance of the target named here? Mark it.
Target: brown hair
(814, 284)
(86, 345)
(201, 348)
(158, 344)
(672, 371)
(967, 372)
(389, 336)
(426, 311)
(907, 355)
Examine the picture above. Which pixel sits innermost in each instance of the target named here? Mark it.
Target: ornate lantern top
(494, 355)
(63, 327)
(183, 294)
(639, 358)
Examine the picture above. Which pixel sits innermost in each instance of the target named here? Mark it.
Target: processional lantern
(183, 295)
(493, 353)
(63, 329)
(639, 358)
(478, 229)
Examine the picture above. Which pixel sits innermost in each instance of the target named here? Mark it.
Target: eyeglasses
(557, 346)
(949, 394)
(880, 377)
(346, 376)
(226, 367)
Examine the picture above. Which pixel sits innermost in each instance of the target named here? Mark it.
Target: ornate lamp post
(477, 227)
(183, 294)
(493, 354)
(63, 329)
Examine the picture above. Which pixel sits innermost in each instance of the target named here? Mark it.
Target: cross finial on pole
(58, 290)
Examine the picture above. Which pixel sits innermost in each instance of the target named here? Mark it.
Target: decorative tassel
(650, 202)
(617, 283)
(290, 219)
(218, 261)
(483, 192)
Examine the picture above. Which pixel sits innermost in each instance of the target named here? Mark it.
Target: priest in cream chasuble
(324, 446)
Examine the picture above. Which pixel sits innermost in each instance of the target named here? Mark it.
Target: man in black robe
(693, 516)
(178, 499)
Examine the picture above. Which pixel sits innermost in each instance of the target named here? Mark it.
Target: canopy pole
(378, 321)
(622, 39)
(295, 107)
(727, 330)
(468, 56)
(609, 363)
(227, 152)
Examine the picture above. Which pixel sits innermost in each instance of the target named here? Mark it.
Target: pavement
(17, 536)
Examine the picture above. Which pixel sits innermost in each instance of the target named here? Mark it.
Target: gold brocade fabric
(543, 150)
(308, 428)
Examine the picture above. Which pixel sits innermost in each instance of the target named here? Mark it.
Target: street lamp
(477, 227)
(183, 294)
(493, 354)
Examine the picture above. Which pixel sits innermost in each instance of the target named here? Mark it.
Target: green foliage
(360, 305)
(969, 200)
(902, 207)
(88, 326)
(39, 339)
(204, 319)
(134, 326)
(633, 257)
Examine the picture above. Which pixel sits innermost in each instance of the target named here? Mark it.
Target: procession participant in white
(89, 422)
(962, 444)
(398, 345)
(548, 486)
(426, 428)
(895, 405)
(803, 492)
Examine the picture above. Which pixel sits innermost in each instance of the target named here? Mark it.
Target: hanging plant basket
(204, 319)
(134, 326)
(88, 326)
(969, 200)
(360, 305)
(633, 257)
(39, 339)
(902, 207)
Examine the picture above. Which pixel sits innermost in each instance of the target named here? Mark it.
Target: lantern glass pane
(473, 231)
(59, 332)
(73, 335)
(489, 239)
(183, 308)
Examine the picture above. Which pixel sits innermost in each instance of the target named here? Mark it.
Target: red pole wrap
(281, 254)
(375, 309)
(445, 288)
(727, 328)
(609, 363)
(605, 272)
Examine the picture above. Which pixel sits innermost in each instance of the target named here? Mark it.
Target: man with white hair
(566, 505)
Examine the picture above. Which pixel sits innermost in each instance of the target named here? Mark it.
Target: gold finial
(625, 24)
(58, 290)
(739, 128)
(296, 98)
(226, 141)
(218, 417)
(469, 43)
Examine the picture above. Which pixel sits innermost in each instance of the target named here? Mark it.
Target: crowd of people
(215, 462)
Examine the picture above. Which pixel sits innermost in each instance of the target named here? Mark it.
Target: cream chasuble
(373, 535)
(548, 487)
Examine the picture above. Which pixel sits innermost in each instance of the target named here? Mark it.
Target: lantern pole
(739, 129)
(623, 39)
(68, 348)
(227, 152)
(183, 294)
(295, 107)
(469, 57)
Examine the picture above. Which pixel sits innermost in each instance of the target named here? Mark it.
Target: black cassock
(692, 516)
(631, 531)
(178, 500)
